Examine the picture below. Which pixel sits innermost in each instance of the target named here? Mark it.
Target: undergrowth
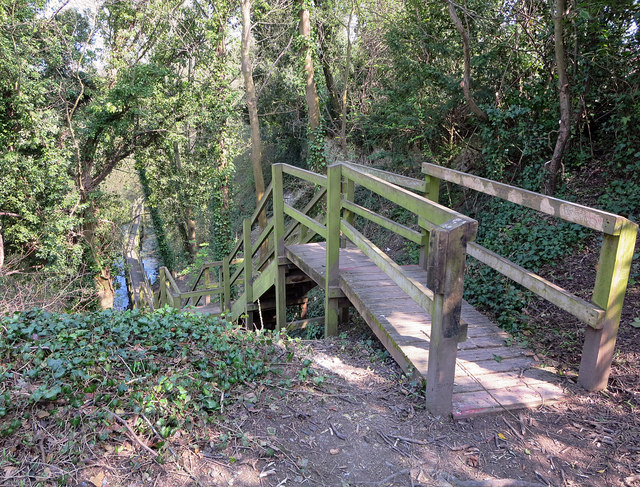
(82, 376)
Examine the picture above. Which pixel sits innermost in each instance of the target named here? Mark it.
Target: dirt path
(359, 421)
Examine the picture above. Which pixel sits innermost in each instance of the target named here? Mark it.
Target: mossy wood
(435, 286)
(618, 243)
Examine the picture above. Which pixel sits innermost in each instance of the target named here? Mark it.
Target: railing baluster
(278, 237)
(332, 269)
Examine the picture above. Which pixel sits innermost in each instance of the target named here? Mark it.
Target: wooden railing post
(332, 270)
(608, 293)
(226, 277)
(278, 232)
(445, 277)
(207, 284)
(432, 192)
(248, 268)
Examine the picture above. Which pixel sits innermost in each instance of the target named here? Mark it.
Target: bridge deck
(490, 374)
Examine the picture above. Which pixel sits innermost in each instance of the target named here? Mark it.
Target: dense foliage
(471, 85)
(86, 373)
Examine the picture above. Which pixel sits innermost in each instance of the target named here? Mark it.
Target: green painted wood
(432, 192)
(305, 220)
(590, 313)
(307, 208)
(248, 264)
(419, 205)
(236, 275)
(199, 294)
(422, 295)
(566, 210)
(308, 176)
(265, 280)
(397, 179)
(609, 291)
(262, 203)
(384, 222)
(332, 270)
(265, 259)
(236, 249)
(264, 235)
(226, 282)
(279, 248)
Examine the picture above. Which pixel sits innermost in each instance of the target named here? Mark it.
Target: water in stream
(150, 262)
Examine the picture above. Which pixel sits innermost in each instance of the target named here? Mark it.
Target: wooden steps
(490, 375)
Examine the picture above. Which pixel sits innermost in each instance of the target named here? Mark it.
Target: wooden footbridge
(416, 311)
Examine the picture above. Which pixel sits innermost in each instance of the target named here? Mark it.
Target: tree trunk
(564, 131)
(252, 106)
(313, 105)
(1, 251)
(466, 83)
(188, 222)
(347, 67)
(325, 33)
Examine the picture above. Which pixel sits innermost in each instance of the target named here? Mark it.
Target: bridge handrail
(604, 312)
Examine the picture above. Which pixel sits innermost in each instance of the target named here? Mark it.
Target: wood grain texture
(484, 363)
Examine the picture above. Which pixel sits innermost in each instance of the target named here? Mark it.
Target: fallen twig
(487, 483)
(133, 435)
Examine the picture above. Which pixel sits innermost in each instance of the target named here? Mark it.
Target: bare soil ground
(364, 423)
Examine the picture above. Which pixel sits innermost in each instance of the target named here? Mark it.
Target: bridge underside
(491, 375)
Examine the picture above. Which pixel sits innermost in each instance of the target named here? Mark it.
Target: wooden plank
(262, 237)
(262, 203)
(599, 220)
(311, 177)
(473, 404)
(418, 292)
(305, 220)
(397, 179)
(303, 324)
(264, 281)
(609, 290)
(214, 291)
(236, 274)
(235, 250)
(226, 283)
(308, 207)
(581, 309)
(419, 205)
(384, 222)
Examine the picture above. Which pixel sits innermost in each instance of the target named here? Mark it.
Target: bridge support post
(278, 232)
(608, 293)
(332, 269)
(445, 277)
(226, 276)
(248, 270)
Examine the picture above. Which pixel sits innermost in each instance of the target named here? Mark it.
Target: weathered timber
(262, 204)
(431, 192)
(279, 248)
(417, 204)
(332, 266)
(588, 217)
(307, 208)
(384, 222)
(418, 292)
(611, 283)
(248, 263)
(585, 311)
(305, 220)
(308, 176)
(397, 179)
(264, 235)
(445, 277)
